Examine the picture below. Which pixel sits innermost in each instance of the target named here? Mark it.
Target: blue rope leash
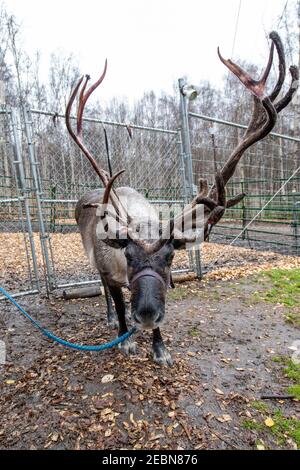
(61, 341)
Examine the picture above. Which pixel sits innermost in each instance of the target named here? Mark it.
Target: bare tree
(63, 72)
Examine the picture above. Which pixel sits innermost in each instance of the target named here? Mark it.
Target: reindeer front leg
(160, 354)
(112, 319)
(128, 346)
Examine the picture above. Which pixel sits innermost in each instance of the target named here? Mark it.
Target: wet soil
(222, 342)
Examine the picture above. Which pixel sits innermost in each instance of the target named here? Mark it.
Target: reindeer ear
(179, 244)
(117, 243)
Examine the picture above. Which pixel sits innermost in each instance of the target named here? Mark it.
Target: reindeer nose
(147, 318)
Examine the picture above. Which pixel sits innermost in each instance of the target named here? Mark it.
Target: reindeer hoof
(128, 347)
(163, 357)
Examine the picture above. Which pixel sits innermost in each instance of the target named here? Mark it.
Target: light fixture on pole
(190, 92)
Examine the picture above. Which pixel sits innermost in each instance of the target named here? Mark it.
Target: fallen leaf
(95, 428)
(107, 378)
(224, 418)
(54, 437)
(106, 411)
(269, 422)
(199, 403)
(260, 447)
(218, 391)
(155, 438)
(138, 382)
(132, 420)
(170, 429)
(225, 360)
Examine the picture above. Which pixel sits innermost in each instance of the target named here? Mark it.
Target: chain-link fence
(43, 174)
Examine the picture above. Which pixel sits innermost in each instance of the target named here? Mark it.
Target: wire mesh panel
(149, 156)
(276, 227)
(263, 169)
(18, 259)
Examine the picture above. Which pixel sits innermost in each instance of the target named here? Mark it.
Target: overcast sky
(149, 43)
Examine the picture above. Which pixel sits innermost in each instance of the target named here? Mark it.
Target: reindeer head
(149, 260)
(149, 252)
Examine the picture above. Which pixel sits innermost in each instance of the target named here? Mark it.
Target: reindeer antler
(263, 120)
(123, 216)
(109, 194)
(103, 175)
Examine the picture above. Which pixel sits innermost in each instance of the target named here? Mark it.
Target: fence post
(186, 142)
(44, 237)
(295, 224)
(244, 210)
(22, 189)
(190, 190)
(53, 209)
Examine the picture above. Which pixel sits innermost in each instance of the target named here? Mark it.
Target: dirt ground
(223, 341)
(71, 264)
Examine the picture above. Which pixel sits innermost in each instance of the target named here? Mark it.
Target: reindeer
(141, 263)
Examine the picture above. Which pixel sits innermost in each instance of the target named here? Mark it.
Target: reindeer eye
(128, 256)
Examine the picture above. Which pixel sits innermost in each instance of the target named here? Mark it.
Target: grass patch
(252, 425)
(285, 428)
(260, 406)
(194, 332)
(292, 371)
(282, 286)
(178, 293)
(217, 293)
(295, 390)
(277, 359)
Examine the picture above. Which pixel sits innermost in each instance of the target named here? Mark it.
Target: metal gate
(264, 169)
(21, 267)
